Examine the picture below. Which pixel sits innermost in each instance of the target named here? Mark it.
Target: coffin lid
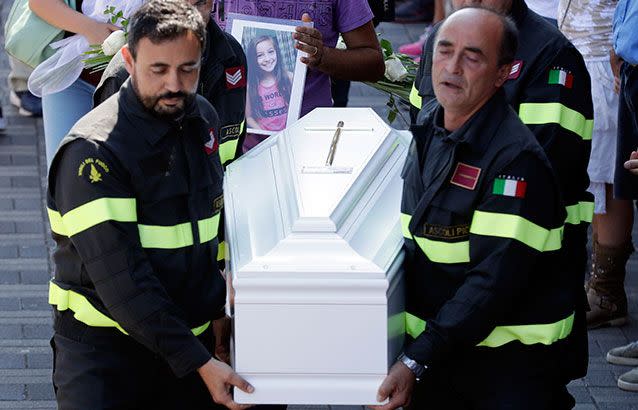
(287, 211)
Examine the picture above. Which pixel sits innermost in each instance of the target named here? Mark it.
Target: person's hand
(310, 41)
(219, 379)
(97, 32)
(221, 330)
(632, 164)
(615, 63)
(397, 387)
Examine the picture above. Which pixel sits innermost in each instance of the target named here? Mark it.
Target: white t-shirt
(546, 8)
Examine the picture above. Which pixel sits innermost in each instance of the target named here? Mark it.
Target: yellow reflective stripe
(405, 223)
(208, 228)
(55, 220)
(580, 212)
(530, 334)
(80, 306)
(227, 150)
(414, 326)
(544, 113)
(516, 227)
(166, 237)
(526, 334)
(444, 252)
(221, 251)
(241, 127)
(93, 213)
(200, 329)
(86, 313)
(415, 98)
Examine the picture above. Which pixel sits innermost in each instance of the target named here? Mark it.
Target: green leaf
(392, 115)
(386, 46)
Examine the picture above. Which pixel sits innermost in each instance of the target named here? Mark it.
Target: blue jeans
(60, 111)
(625, 183)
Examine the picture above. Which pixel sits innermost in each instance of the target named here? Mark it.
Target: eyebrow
(446, 43)
(188, 63)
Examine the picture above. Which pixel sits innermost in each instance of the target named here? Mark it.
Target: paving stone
(12, 361)
(7, 227)
(38, 303)
(40, 360)
(8, 251)
(9, 304)
(12, 391)
(580, 393)
(38, 277)
(600, 378)
(27, 204)
(40, 391)
(613, 395)
(5, 182)
(5, 159)
(38, 331)
(9, 278)
(6, 204)
(17, 159)
(25, 182)
(29, 227)
(36, 251)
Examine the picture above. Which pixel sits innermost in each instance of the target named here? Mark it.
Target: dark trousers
(101, 368)
(625, 183)
(491, 381)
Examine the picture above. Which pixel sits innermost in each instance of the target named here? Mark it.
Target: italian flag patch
(509, 186)
(560, 76)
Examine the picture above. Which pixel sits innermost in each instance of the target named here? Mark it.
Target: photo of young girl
(270, 79)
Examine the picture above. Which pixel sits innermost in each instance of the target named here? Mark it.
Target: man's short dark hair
(509, 39)
(162, 20)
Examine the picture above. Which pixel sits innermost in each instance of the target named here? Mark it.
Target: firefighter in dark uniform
(222, 82)
(550, 89)
(483, 220)
(135, 196)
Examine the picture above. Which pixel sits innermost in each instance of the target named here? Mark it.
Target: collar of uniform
(154, 127)
(519, 11)
(479, 129)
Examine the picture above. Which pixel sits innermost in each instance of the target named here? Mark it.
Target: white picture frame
(274, 90)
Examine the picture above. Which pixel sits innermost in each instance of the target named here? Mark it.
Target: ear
(503, 72)
(128, 59)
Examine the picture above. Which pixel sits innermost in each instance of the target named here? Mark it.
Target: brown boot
(605, 289)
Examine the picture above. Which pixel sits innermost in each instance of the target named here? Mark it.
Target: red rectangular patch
(465, 176)
(235, 77)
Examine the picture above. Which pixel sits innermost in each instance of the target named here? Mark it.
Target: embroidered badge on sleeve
(510, 186)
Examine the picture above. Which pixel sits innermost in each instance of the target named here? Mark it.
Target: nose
(453, 64)
(173, 81)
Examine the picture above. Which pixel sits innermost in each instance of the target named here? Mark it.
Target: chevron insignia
(235, 77)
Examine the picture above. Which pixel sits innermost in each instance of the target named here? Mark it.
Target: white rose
(114, 43)
(394, 69)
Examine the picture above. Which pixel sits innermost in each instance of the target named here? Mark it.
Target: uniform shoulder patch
(94, 169)
(235, 77)
(515, 72)
(507, 185)
(212, 145)
(465, 176)
(560, 76)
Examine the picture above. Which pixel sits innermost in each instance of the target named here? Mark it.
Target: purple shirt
(331, 17)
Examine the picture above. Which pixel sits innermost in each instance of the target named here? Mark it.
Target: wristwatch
(416, 368)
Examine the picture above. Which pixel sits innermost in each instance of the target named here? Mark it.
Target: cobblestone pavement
(25, 317)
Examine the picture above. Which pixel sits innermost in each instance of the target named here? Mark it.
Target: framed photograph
(276, 76)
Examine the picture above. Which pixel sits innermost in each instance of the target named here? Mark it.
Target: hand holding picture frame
(276, 76)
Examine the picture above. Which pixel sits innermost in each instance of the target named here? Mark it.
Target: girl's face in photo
(266, 55)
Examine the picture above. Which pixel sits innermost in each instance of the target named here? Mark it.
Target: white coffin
(315, 260)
